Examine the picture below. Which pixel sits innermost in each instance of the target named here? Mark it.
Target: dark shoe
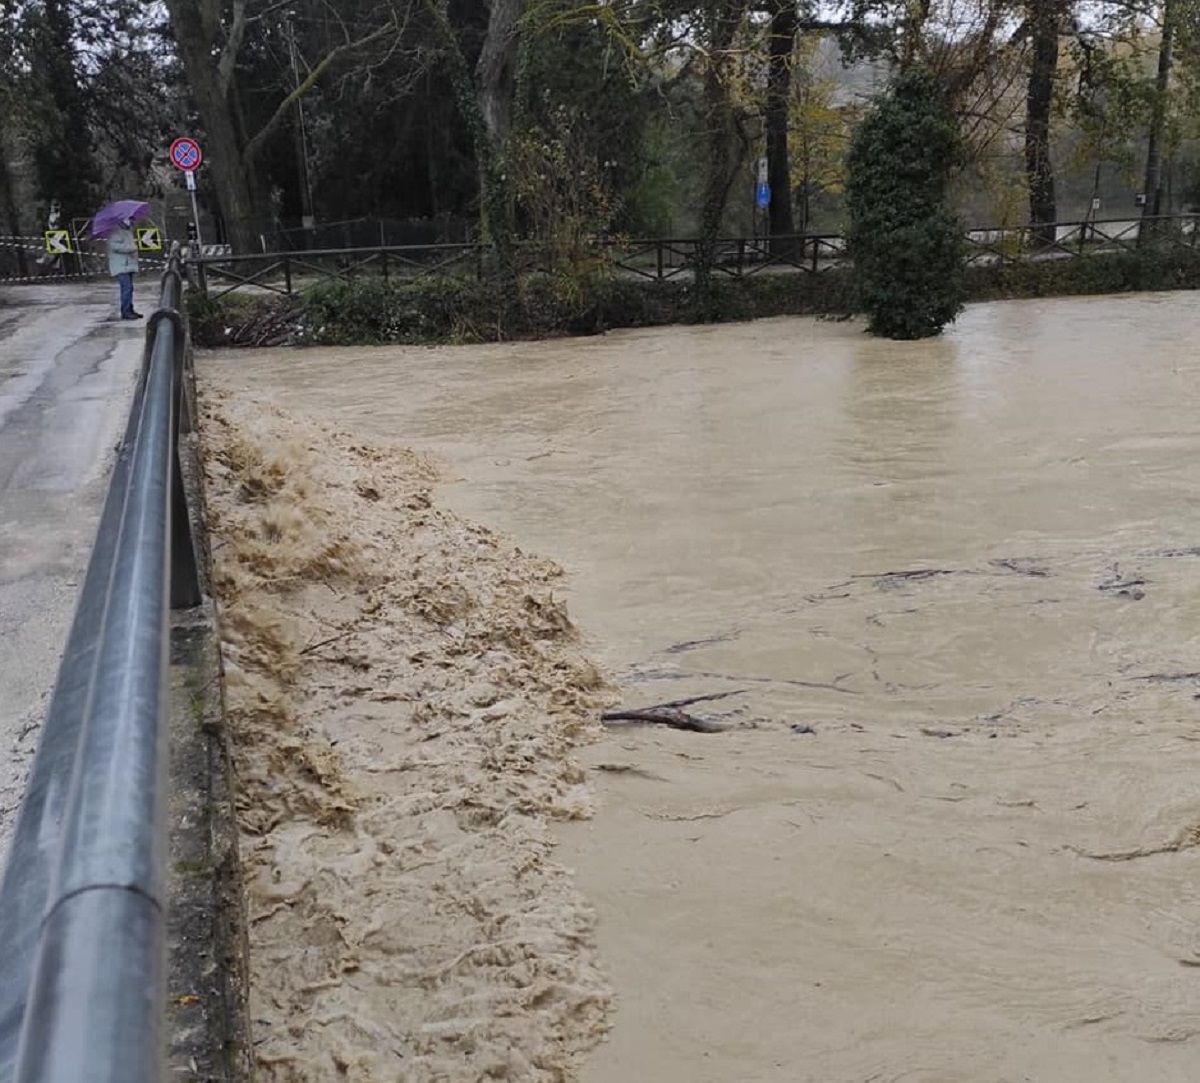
(131, 316)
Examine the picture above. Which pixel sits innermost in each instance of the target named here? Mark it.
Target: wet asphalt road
(67, 371)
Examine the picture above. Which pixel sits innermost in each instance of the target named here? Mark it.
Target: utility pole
(307, 218)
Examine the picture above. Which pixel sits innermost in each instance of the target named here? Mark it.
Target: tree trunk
(912, 29)
(1158, 117)
(495, 83)
(721, 140)
(8, 205)
(495, 73)
(779, 93)
(1045, 18)
(488, 137)
(223, 138)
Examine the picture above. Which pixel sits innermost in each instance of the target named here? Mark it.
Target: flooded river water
(947, 595)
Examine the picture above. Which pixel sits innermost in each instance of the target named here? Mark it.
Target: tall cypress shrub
(906, 243)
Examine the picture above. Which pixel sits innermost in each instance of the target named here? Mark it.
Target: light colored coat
(122, 252)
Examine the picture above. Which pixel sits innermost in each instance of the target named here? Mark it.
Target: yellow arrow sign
(58, 241)
(149, 238)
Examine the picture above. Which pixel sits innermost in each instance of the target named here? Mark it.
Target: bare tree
(495, 73)
(485, 99)
(210, 35)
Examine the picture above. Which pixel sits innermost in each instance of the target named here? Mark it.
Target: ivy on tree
(906, 244)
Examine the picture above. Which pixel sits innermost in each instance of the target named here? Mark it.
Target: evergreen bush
(906, 245)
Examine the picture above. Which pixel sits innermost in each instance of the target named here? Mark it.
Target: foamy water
(404, 693)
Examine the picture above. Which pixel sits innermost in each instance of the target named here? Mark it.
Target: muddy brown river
(944, 597)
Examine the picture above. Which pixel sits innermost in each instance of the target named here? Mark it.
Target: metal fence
(1070, 240)
(82, 955)
(660, 259)
(666, 259)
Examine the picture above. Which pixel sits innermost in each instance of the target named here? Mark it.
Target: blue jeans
(125, 283)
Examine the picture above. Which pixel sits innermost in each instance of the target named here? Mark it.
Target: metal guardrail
(82, 951)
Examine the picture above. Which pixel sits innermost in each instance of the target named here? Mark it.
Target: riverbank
(441, 310)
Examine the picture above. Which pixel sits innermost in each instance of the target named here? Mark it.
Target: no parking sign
(185, 154)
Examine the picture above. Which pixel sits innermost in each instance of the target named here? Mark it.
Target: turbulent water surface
(946, 593)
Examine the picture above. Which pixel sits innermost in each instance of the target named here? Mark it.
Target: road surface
(67, 371)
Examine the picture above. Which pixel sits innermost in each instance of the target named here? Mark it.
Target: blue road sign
(762, 196)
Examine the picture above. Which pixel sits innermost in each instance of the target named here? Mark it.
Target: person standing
(123, 265)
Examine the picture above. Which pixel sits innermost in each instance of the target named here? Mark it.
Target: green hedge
(370, 311)
(1167, 268)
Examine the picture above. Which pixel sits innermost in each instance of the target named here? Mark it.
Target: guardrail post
(185, 576)
(287, 275)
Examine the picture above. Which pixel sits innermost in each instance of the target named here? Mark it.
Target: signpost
(186, 157)
(762, 198)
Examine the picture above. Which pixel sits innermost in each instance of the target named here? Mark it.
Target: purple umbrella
(109, 217)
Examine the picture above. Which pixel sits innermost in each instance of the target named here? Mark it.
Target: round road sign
(185, 154)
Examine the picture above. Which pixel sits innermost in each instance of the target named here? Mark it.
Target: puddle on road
(950, 590)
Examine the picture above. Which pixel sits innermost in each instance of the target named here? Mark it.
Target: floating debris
(1118, 585)
(895, 580)
(1021, 566)
(665, 716)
